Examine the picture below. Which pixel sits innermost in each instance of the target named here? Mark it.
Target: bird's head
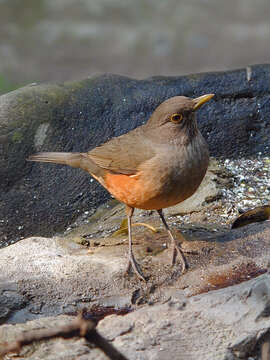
(177, 114)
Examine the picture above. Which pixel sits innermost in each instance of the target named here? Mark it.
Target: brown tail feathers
(71, 159)
(76, 160)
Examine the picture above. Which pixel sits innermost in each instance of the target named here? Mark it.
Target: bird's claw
(132, 264)
(176, 250)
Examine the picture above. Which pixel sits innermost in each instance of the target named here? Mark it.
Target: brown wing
(123, 154)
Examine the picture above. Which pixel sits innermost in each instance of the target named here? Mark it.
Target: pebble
(251, 183)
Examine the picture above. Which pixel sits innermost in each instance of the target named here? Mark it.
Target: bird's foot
(177, 251)
(132, 264)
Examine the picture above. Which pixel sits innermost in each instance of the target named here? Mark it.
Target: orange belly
(135, 193)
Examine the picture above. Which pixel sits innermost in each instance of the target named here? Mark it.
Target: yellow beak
(198, 102)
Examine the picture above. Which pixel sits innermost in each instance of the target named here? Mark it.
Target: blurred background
(60, 40)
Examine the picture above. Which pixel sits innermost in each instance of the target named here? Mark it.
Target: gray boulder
(45, 281)
(51, 276)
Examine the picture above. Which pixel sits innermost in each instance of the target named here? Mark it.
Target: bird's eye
(176, 118)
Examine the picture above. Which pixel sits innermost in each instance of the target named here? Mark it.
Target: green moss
(6, 85)
(17, 137)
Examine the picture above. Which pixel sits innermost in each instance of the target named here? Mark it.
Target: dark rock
(10, 299)
(42, 198)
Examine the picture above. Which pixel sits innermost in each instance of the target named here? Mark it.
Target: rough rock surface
(51, 276)
(80, 115)
(44, 277)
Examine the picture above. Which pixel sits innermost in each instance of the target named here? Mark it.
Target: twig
(79, 327)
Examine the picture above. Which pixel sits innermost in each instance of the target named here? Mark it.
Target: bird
(154, 166)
